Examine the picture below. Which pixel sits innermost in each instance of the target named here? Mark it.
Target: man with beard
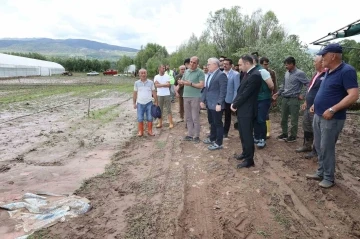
(245, 103)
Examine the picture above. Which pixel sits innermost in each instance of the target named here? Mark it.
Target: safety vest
(171, 75)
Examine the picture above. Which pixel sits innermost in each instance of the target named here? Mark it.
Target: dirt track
(162, 187)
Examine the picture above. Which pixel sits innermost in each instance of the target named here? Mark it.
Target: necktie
(207, 81)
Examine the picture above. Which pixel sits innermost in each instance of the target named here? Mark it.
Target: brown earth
(163, 187)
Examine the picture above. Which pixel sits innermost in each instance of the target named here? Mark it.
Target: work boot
(268, 129)
(159, 125)
(141, 129)
(149, 129)
(305, 148)
(171, 125)
(312, 154)
(308, 142)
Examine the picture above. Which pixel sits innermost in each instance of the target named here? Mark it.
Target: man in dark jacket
(311, 92)
(245, 103)
(213, 97)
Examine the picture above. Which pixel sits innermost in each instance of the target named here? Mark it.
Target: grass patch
(19, 93)
(358, 77)
(160, 144)
(105, 115)
(262, 233)
(280, 218)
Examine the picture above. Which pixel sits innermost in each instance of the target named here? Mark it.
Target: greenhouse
(14, 66)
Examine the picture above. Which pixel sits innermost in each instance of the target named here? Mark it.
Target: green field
(12, 93)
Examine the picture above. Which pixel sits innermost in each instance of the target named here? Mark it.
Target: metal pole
(89, 108)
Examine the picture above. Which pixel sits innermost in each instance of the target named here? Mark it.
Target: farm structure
(15, 66)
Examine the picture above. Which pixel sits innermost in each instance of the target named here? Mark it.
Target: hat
(333, 48)
(155, 111)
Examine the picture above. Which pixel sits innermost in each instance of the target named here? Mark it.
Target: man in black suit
(213, 97)
(245, 103)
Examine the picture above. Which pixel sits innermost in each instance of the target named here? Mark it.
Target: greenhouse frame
(17, 66)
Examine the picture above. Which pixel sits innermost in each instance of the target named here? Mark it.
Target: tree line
(228, 32)
(231, 33)
(77, 64)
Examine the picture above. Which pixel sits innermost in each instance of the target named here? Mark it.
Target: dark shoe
(246, 165)
(207, 141)
(290, 139)
(215, 147)
(282, 137)
(188, 138)
(256, 141)
(310, 155)
(239, 157)
(326, 184)
(313, 177)
(196, 140)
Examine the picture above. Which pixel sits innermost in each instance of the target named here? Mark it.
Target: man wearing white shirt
(232, 86)
(162, 83)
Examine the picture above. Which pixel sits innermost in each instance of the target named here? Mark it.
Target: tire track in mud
(198, 219)
(316, 213)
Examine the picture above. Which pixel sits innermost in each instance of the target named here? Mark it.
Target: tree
(230, 30)
(351, 53)
(278, 51)
(150, 50)
(124, 62)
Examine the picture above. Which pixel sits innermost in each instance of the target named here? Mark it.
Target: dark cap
(333, 48)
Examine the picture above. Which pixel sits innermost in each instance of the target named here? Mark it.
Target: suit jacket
(232, 85)
(246, 99)
(216, 91)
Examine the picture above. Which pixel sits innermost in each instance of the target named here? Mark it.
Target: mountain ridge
(66, 48)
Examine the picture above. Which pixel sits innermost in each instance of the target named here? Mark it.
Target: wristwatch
(190, 83)
(331, 110)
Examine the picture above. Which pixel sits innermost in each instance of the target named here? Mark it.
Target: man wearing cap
(337, 92)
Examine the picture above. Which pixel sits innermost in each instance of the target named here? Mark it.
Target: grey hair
(182, 66)
(142, 69)
(214, 60)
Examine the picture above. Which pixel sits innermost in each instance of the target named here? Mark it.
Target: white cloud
(133, 23)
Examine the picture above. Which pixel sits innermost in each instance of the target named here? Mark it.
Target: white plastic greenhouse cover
(13, 66)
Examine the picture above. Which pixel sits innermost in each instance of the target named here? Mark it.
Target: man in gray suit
(213, 98)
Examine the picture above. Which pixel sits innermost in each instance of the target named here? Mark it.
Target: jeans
(290, 106)
(326, 133)
(172, 92)
(192, 115)
(216, 126)
(144, 109)
(260, 122)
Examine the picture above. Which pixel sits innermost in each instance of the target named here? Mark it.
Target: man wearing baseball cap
(337, 92)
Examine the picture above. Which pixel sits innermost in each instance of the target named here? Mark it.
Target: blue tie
(207, 80)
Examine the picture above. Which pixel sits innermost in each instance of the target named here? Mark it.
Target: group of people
(248, 90)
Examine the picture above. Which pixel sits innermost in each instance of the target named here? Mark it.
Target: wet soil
(163, 187)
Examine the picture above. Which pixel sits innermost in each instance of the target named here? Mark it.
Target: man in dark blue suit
(245, 103)
(213, 98)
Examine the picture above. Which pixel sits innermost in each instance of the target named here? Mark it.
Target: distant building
(13, 66)
(130, 69)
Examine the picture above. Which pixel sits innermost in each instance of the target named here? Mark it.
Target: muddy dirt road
(163, 187)
(49, 142)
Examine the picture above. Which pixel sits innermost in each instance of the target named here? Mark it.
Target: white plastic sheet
(34, 211)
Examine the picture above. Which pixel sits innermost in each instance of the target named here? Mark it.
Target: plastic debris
(34, 212)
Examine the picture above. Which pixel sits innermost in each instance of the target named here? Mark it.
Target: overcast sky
(132, 23)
